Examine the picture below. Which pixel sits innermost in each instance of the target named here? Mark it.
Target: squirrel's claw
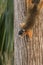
(22, 24)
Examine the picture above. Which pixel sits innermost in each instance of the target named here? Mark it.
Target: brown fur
(32, 9)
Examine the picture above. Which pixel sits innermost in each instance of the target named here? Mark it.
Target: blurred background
(6, 32)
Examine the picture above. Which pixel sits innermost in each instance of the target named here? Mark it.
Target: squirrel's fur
(33, 9)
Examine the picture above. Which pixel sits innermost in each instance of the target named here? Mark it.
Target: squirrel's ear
(28, 3)
(40, 5)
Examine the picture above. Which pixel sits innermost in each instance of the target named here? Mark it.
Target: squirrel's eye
(35, 1)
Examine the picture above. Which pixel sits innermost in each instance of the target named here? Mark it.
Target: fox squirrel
(33, 6)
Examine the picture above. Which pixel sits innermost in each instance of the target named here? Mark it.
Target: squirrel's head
(35, 1)
(31, 3)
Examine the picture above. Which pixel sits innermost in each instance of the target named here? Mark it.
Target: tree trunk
(27, 52)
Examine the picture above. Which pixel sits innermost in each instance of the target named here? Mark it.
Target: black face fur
(35, 1)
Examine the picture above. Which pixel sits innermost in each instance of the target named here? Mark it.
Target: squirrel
(33, 8)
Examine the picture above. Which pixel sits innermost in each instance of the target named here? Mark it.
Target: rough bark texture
(31, 52)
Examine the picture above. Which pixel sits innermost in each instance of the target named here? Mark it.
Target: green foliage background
(6, 32)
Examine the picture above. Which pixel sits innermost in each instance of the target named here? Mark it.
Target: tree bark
(27, 52)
